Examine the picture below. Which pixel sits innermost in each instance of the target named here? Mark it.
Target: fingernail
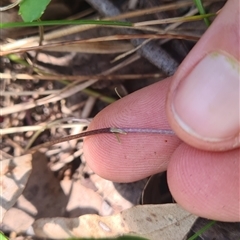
(206, 102)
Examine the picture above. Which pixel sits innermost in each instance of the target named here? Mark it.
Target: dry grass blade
(100, 47)
(10, 6)
(39, 127)
(58, 77)
(28, 93)
(47, 37)
(148, 11)
(168, 20)
(95, 48)
(52, 98)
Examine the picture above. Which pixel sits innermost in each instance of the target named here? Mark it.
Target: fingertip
(203, 99)
(137, 155)
(206, 183)
(203, 107)
(130, 157)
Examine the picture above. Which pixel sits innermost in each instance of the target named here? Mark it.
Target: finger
(136, 155)
(203, 101)
(206, 184)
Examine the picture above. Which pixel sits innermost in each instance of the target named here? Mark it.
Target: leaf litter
(55, 188)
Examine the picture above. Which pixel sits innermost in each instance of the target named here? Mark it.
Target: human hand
(201, 104)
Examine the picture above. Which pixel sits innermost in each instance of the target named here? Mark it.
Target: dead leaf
(41, 197)
(14, 173)
(121, 196)
(166, 222)
(83, 200)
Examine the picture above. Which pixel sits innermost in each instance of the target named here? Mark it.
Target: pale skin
(203, 160)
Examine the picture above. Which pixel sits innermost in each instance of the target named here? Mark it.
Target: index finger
(136, 155)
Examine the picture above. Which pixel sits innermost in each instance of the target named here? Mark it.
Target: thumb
(203, 100)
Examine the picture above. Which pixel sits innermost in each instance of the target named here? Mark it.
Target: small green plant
(31, 10)
(2, 236)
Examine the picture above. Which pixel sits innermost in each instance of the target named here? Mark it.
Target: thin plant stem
(64, 22)
(142, 130)
(41, 38)
(202, 11)
(101, 131)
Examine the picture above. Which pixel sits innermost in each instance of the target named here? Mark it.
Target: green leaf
(31, 10)
(2, 236)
